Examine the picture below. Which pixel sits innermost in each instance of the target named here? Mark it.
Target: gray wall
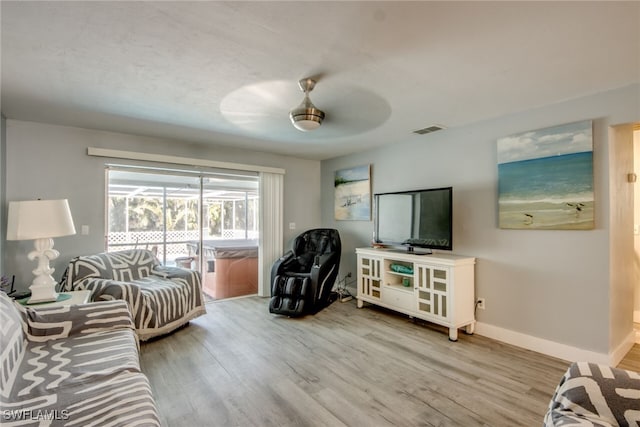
(3, 189)
(49, 162)
(551, 284)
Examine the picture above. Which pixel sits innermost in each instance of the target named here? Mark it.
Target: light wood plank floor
(241, 366)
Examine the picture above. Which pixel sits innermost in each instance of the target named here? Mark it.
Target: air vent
(429, 129)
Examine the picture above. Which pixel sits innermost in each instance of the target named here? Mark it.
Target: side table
(76, 297)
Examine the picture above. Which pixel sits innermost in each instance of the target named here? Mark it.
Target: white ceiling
(226, 73)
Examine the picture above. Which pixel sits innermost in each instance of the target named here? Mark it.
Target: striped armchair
(160, 298)
(71, 366)
(591, 394)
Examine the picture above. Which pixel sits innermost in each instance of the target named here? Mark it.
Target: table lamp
(40, 220)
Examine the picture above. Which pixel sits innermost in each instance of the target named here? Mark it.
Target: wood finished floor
(241, 366)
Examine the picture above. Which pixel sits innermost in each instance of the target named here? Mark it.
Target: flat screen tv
(420, 218)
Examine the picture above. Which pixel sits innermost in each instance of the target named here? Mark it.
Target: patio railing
(176, 241)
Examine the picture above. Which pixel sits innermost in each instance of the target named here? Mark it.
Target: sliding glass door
(191, 220)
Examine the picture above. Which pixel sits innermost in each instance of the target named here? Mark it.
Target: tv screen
(421, 218)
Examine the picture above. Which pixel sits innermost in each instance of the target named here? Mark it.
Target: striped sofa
(160, 298)
(72, 366)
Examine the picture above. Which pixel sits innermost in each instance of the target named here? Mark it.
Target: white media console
(438, 287)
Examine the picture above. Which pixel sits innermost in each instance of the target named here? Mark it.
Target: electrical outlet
(480, 303)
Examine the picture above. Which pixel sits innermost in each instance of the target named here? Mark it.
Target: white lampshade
(37, 219)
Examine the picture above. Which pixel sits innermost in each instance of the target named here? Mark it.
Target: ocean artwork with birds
(545, 178)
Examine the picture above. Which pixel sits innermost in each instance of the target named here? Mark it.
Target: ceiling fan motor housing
(306, 116)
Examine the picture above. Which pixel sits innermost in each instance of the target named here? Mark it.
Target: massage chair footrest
(290, 296)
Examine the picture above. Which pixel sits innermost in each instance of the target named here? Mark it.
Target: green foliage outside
(146, 214)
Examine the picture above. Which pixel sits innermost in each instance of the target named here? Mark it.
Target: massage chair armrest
(322, 265)
(324, 259)
(280, 264)
(50, 323)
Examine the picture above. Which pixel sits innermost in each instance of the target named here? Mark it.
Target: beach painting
(545, 178)
(353, 194)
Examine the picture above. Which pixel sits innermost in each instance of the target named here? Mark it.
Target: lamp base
(43, 287)
(42, 293)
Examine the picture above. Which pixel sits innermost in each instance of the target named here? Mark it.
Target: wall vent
(432, 128)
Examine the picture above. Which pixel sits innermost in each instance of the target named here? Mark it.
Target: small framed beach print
(352, 194)
(545, 178)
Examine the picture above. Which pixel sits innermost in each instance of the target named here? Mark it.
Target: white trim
(618, 354)
(132, 155)
(550, 348)
(636, 316)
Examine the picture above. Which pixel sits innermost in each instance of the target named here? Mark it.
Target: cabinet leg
(359, 303)
(470, 328)
(453, 334)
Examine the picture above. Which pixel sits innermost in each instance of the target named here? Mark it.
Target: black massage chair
(302, 279)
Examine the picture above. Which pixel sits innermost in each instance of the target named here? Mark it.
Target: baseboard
(552, 348)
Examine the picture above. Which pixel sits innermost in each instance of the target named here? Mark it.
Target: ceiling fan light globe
(306, 125)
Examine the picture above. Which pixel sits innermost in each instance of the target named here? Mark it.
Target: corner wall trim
(132, 155)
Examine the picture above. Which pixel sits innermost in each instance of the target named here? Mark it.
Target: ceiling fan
(261, 109)
(306, 117)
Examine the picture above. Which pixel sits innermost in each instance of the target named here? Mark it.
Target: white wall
(47, 161)
(542, 288)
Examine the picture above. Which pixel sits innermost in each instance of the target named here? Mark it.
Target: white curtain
(271, 189)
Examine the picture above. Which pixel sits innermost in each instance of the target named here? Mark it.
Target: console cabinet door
(369, 276)
(433, 287)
